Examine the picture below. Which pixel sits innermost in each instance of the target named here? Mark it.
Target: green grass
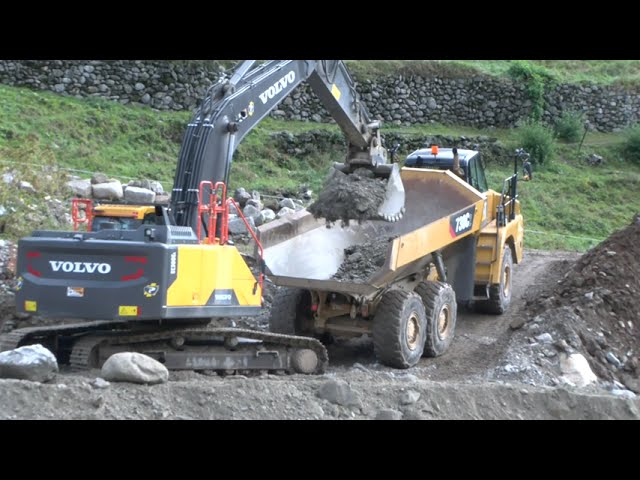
(572, 204)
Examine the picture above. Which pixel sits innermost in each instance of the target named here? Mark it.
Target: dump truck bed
(301, 251)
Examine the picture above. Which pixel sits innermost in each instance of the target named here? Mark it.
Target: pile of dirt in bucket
(602, 289)
(361, 261)
(356, 196)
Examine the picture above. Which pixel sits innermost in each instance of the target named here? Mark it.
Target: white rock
(82, 188)
(108, 191)
(544, 338)
(287, 203)
(100, 383)
(32, 362)
(139, 195)
(156, 187)
(135, 368)
(268, 215)
(284, 212)
(24, 185)
(623, 392)
(576, 370)
(409, 397)
(7, 177)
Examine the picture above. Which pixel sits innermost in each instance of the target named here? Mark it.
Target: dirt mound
(350, 197)
(602, 289)
(360, 261)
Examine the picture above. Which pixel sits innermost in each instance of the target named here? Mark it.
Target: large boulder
(237, 226)
(156, 186)
(251, 211)
(338, 392)
(284, 212)
(97, 178)
(241, 196)
(81, 188)
(287, 203)
(135, 368)
(268, 215)
(32, 362)
(576, 370)
(139, 195)
(108, 191)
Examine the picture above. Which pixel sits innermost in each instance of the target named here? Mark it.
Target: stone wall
(479, 101)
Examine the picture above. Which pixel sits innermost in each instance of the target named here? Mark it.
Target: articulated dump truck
(455, 245)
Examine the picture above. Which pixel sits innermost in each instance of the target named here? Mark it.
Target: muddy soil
(361, 261)
(350, 197)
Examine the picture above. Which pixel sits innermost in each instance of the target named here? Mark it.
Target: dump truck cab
(442, 159)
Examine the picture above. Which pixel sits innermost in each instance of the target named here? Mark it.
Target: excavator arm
(233, 107)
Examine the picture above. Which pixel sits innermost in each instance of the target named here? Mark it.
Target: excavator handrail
(255, 239)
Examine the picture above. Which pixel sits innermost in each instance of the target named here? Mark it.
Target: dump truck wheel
(441, 313)
(399, 329)
(500, 295)
(291, 312)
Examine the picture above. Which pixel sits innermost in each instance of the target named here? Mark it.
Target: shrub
(631, 144)
(537, 139)
(535, 79)
(570, 126)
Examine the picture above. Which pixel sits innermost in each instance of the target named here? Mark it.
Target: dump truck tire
(441, 312)
(500, 295)
(399, 329)
(288, 312)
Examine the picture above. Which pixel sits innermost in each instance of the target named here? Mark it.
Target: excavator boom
(233, 107)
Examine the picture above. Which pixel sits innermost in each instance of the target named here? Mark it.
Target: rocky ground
(508, 366)
(491, 372)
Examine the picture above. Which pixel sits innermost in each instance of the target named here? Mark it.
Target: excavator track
(30, 335)
(225, 350)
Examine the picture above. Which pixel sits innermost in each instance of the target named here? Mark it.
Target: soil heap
(361, 261)
(350, 197)
(601, 293)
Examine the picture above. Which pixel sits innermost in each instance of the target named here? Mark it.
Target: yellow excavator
(150, 278)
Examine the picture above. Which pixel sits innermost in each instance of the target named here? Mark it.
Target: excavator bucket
(361, 194)
(392, 209)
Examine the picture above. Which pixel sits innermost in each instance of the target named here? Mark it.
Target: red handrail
(219, 205)
(255, 239)
(75, 213)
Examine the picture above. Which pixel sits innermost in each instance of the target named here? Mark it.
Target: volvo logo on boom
(277, 87)
(79, 267)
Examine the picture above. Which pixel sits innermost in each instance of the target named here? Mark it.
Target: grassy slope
(597, 71)
(566, 197)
